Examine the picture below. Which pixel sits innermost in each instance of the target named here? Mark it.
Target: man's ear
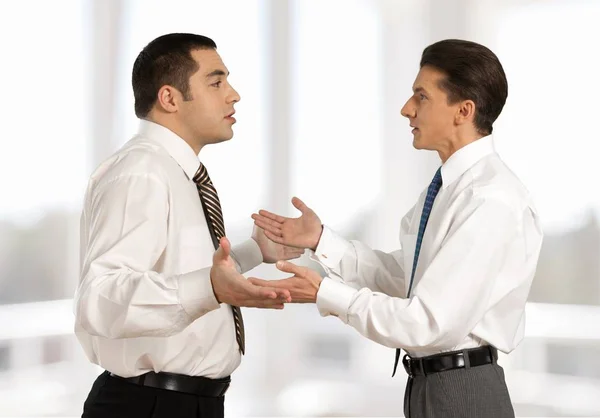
(465, 112)
(168, 99)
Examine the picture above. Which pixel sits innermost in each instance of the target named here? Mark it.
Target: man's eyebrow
(216, 73)
(419, 89)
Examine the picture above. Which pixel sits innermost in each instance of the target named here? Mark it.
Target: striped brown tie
(212, 209)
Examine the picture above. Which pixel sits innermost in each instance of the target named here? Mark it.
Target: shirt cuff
(246, 255)
(333, 298)
(196, 294)
(331, 248)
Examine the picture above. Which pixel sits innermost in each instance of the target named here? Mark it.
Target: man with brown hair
(455, 292)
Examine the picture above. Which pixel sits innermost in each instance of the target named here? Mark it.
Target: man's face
(208, 116)
(432, 118)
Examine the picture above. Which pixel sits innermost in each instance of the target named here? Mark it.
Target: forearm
(121, 303)
(395, 322)
(360, 266)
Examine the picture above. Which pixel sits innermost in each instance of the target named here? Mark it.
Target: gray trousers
(474, 392)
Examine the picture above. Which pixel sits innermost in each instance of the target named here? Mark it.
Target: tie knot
(201, 176)
(437, 178)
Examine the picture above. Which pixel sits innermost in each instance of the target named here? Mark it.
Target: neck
(178, 130)
(455, 143)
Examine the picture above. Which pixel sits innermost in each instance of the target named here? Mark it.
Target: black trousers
(115, 398)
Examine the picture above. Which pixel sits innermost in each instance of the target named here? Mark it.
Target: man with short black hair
(156, 306)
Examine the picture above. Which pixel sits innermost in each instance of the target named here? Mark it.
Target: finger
(266, 220)
(263, 283)
(272, 293)
(279, 283)
(282, 290)
(280, 287)
(273, 237)
(262, 305)
(300, 205)
(272, 216)
(268, 225)
(283, 294)
(266, 292)
(288, 267)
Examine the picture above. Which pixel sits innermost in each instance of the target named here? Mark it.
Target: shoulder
(139, 159)
(493, 182)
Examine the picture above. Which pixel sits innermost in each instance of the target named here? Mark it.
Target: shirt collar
(465, 158)
(177, 148)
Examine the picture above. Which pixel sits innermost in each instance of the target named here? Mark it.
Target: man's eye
(422, 96)
(217, 84)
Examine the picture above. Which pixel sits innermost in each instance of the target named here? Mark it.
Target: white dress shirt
(477, 261)
(145, 300)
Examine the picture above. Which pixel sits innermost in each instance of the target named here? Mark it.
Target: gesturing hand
(232, 288)
(303, 285)
(302, 232)
(271, 251)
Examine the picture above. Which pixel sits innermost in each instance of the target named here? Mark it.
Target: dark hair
(165, 60)
(473, 72)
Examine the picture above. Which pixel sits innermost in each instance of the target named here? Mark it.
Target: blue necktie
(432, 192)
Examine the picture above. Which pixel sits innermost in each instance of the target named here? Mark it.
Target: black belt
(195, 385)
(447, 361)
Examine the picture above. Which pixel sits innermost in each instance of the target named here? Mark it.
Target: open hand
(232, 288)
(303, 285)
(272, 251)
(302, 232)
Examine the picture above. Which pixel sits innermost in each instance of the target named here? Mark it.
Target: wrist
(316, 242)
(262, 255)
(317, 285)
(212, 283)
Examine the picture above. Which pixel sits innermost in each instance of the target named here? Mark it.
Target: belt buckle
(461, 360)
(407, 361)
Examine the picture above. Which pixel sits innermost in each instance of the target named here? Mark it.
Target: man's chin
(419, 144)
(416, 143)
(226, 136)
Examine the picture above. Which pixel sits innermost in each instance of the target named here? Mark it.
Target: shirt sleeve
(359, 266)
(452, 295)
(246, 255)
(119, 295)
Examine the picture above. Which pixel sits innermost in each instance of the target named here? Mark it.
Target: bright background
(322, 83)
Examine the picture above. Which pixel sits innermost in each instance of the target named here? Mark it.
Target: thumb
(299, 204)
(288, 267)
(222, 253)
